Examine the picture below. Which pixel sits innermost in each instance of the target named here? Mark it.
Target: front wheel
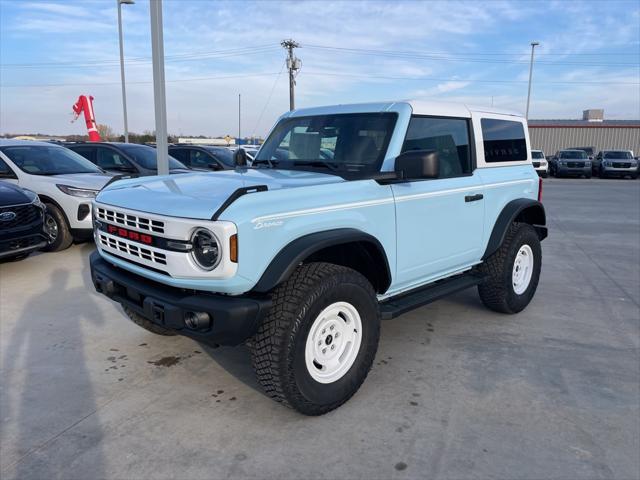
(55, 224)
(317, 344)
(513, 271)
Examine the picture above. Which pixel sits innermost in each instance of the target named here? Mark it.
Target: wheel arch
(47, 199)
(523, 210)
(348, 247)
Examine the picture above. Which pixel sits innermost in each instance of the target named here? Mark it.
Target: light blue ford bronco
(349, 214)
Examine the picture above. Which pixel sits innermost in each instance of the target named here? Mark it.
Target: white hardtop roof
(419, 107)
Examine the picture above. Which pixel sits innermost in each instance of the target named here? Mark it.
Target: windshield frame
(91, 167)
(324, 165)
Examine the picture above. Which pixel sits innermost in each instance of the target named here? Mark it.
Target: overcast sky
(475, 52)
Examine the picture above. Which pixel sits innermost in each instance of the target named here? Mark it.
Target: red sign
(130, 235)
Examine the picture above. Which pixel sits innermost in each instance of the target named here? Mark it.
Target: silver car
(617, 163)
(65, 182)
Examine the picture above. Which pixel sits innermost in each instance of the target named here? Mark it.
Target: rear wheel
(513, 271)
(317, 344)
(56, 226)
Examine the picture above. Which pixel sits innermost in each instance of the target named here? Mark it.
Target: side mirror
(213, 166)
(240, 158)
(416, 164)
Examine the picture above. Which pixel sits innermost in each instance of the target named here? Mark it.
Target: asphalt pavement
(456, 391)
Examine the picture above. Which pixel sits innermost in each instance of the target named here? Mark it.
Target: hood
(199, 195)
(92, 181)
(12, 195)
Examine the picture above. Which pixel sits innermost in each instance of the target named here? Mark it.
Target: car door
(201, 159)
(439, 222)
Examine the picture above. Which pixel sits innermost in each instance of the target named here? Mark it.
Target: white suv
(65, 182)
(540, 163)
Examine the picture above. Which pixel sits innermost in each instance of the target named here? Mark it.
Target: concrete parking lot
(456, 391)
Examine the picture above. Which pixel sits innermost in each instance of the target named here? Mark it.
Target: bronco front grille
(131, 248)
(24, 215)
(129, 220)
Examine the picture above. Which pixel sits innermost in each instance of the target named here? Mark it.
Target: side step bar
(405, 302)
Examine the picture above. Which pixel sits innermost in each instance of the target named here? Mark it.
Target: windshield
(146, 157)
(619, 154)
(574, 154)
(45, 160)
(222, 154)
(537, 154)
(351, 144)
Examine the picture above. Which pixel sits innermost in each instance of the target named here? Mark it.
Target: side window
(111, 160)
(200, 159)
(504, 140)
(87, 152)
(5, 170)
(181, 154)
(448, 136)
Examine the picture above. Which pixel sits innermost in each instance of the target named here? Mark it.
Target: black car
(203, 156)
(21, 222)
(124, 158)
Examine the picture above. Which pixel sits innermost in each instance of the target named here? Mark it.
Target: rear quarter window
(504, 140)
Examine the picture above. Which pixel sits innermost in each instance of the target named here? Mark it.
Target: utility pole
(159, 94)
(124, 92)
(533, 46)
(293, 65)
(239, 117)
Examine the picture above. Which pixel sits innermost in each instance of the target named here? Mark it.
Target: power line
(327, 73)
(273, 88)
(467, 58)
(385, 77)
(147, 60)
(92, 84)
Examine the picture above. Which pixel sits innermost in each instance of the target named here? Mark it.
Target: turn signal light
(233, 248)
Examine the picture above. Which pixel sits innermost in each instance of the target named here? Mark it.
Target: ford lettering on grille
(129, 234)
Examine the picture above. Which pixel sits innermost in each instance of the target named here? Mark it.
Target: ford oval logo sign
(7, 216)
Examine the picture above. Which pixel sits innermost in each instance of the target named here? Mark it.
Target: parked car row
(576, 162)
(47, 188)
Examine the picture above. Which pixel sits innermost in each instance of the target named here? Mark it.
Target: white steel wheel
(333, 342)
(522, 269)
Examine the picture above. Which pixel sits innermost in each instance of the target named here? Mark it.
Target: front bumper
(566, 170)
(233, 319)
(618, 172)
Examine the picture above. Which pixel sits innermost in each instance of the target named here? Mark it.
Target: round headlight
(206, 249)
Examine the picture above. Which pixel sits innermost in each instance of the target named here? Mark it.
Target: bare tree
(106, 132)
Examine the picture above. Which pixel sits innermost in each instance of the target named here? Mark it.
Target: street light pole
(533, 46)
(124, 92)
(159, 93)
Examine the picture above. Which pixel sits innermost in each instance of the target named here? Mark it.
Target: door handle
(473, 198)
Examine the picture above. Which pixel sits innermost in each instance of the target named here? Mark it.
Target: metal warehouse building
(592, 131)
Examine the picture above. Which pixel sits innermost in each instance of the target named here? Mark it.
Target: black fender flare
(294, 253)
(531, 211)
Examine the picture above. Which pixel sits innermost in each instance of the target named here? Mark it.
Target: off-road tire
(63, 239)
(146, 324)
(278, 347)
(497, 292)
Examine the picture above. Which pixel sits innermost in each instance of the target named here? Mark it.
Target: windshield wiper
(271, 163)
